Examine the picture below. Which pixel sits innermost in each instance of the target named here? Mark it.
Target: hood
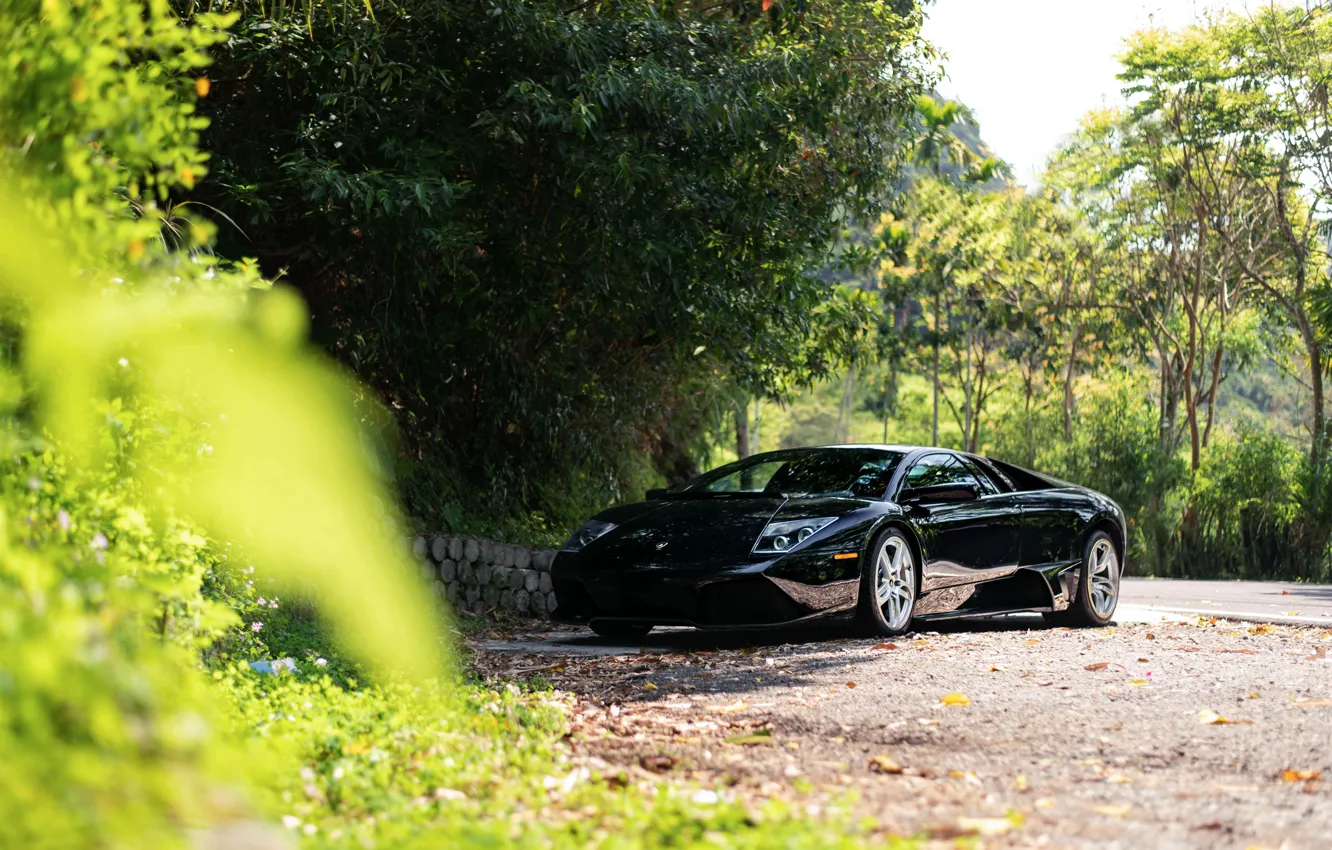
(706, 533)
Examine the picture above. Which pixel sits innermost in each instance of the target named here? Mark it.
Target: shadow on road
(678, 639)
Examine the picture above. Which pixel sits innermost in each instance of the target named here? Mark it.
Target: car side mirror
(937, 493)
(655, 493)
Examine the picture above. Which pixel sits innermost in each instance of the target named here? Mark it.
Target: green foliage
(97, 113)
(541, 247)
(386, 766)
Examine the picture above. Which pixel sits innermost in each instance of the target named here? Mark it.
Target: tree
(531, 226)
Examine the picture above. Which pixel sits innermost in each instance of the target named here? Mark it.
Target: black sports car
(890, 535)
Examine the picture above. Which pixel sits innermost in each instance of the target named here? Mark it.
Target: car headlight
(586, 533)
(784, 536)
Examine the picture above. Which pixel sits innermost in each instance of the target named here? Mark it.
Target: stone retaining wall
(486, 576)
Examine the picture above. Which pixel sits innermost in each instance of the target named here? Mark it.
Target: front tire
(614, 630)
(1098, 586)
(889, 585)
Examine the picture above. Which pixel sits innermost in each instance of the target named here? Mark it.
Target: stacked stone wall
(487, 576)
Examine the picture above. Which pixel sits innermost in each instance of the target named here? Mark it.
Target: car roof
(890, 447)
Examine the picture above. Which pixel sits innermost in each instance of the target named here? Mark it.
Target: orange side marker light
(846, 556)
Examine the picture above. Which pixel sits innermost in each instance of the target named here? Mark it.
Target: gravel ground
(1201, 733)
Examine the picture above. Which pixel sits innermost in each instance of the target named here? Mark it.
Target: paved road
(1249, 601)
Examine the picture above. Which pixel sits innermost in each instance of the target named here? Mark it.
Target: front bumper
(737, 600)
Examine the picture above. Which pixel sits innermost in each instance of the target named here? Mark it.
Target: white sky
(1030, 69)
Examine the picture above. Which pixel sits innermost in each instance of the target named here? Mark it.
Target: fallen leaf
(985, 826)
(1292, 613)
(1113, 811)
(1099, 665)
(927, 721)
(955, 698)
(1118, 779)
(761, 736)
(1142, 660)
(1151, 636)
(1260, 629)
(658, 763)
(1253, 695)
(888, 645)
(738, 705)
(1320, 653)
(884, 764)
(648, 686)
(1138, 682)
(995, 668)
(850, 684)
(1300, 775)
(1030, 642)
(1211, 718)
(1020, 783)
(1310, 703)
(1285, 593)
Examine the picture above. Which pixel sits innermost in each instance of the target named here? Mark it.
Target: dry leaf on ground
(884, 764)
(1300, 775)
(1113, 811)
(955, 698)
(1211, 718)
(985, 826)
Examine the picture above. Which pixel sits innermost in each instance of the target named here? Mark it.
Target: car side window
(989, 470)
(933, 470)
(988, 486)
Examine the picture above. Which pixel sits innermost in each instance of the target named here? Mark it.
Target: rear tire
(614, 630)
(889, 586)
(1098, 586)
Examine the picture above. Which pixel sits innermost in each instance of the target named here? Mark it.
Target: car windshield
(862, 473)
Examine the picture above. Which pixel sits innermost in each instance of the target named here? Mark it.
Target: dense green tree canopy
(540, 228)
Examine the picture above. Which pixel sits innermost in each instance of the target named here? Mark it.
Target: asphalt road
(1248, 601)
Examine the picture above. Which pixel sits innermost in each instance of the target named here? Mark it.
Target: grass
(465, 764)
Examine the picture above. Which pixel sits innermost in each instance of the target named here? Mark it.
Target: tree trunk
(1314, 352)
(742, 430)
(1069, 375)
(756, 443)
(966, 416)
(1028, 379)
(934, 430)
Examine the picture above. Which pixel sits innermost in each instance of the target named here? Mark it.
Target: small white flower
(256, 626)
(123, 362)
(99, 541)
(704, 797)
(310, 829)
(338, 773)
(291, 821)
(262, 601)
(62, 519)
(34, 483)
(307, 774)
(321, 662)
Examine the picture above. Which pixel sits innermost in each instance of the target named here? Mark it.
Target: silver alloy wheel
(895, 582)
(1104, 572)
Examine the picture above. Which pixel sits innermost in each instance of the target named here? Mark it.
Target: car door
(961, 540)
(1052, 518)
